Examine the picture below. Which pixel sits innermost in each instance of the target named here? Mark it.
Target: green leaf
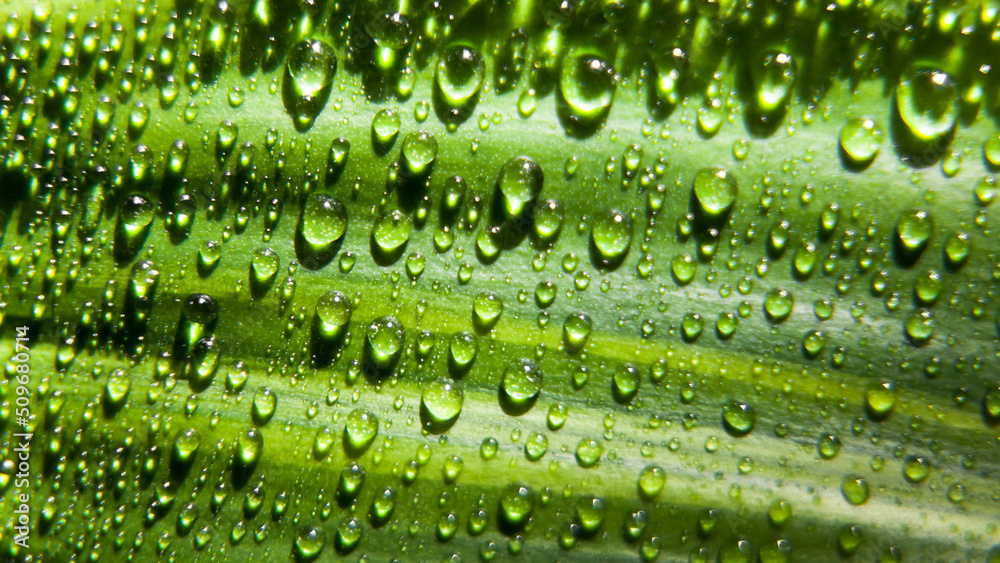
(556, 281)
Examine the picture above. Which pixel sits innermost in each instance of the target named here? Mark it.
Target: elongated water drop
(360, 431)
(309, 70)
(927, 102)
(773, 77)
(519, 183)
(384, 344)
(587, 85)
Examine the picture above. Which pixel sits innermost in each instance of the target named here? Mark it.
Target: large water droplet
(587, 85)
(360, 431)
(519, 183)
(389, 30)
(309, 543)
(716, 191)
(611, 237)
(486, 310)
(520, 386)
(913, 232)
(333, 314)
(517, 502)
(773, 77)
(855, 489)
(651, 481)
(576, 331)
(441, 402)
(462, 350)
(927, 102)
(384, 344)
(880, 400)
(265, 402)
(419, 152)
(324, 219)
(309, 70)
(458, 78)
(589, 452)
(391, 232)
(385, 129)
(738, 418)
(263, 269)
(778, 304)
(860, 140)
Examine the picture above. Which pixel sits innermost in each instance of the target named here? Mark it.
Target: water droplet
(773, 78)
(263, 269)
(519, 182)
(520, 386)
(670, 64)
(716, 191)
(309, 70)
(913, 232)
(186, 446)
(587, 85)
(779, 513)
(323, 220)
(652, 479)
(692, 326)
(116, 391)
(265, 402)
(309, 543)
(536, 446)
(738, 418)
(385, 128)
(360, 431)
(916, 469)
(880, 399)
(488, 448)
(855, 489)
(419, 152)
(829, 446)
(391, 231)
(991, 151)
(590, 515)
(458, 77)
(860, 140)
(778, 304)
(683, 267)
(349, 533)
(517, 502)
(611, 237)
(625, 383)
(927, 102)
(589, 452)
(333, 314)
(486, 310)
(919, 326)
(548, 220)
(249, 448)
(352, 478)
(849, 539)
(442, 401)
(462, 350)
(384, 344)
(576, 331)
(389, 30)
